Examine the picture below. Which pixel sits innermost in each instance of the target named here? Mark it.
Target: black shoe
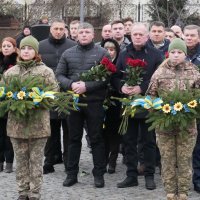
(69, 181)
(99, 181)
(111, 169)
(197, 188)
(128, 182)
(48, 169)
(149, 183)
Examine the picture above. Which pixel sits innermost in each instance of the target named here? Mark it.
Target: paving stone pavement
(84, 190)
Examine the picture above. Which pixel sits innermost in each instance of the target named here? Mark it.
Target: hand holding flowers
(134, 71)
(99, 72)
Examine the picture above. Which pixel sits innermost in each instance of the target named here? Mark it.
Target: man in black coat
(79, 59)
(138, 49)
(192, 40)
(51, 50)
(157, 37)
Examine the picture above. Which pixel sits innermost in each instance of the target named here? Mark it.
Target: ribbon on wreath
(38, 95)
(2, 92)
(148, 103)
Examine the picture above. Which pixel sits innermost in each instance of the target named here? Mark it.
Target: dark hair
(117, 22)
(74, 22)
(128, 19)
(156, 23)
(67, 27)
(27, 26)
(169, 30)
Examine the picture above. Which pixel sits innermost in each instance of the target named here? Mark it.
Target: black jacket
(80, 59)
(195, 57)
(150, 55)
(7, 61)
(51, 50)
(164, 48)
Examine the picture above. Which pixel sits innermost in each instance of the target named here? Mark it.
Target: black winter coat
(163, 49)
(150, 55)
(51, 50)
(7, 62)
(80, 59)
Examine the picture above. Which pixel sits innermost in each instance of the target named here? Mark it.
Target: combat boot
(9, 168)
(22, 197)
(1, 167)
(182, 197)
(171, 197)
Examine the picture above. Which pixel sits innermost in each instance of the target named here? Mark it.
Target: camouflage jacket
(38, 127)
(167, 77)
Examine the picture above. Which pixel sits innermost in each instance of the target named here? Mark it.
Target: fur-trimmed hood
(7, 62)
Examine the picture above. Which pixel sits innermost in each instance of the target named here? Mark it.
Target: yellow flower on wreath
(9, 94)
(30, 94)
(192, 104)
(21, 95)
(166, 108)
(178, 106)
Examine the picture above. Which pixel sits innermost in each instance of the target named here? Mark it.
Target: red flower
(134, 71)
(111, 67)
(135, 62)
(105, 61)
(166, 54)
(108, 64)
(99, 72)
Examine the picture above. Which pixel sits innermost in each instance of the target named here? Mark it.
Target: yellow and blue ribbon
(148, 103)
(75, 97)
(2, 92)
(38, 95)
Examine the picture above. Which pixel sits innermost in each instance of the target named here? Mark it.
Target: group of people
(60, 59)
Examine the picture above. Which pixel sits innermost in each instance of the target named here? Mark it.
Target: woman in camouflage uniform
(29, 148)
(176, 151)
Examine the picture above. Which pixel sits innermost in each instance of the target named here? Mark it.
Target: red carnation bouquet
(135, 68)
(99, 72)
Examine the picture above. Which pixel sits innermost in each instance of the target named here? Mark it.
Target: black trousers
(130, 143)
(111, 136)
(6, 148)
(93, 114)
(53, 145)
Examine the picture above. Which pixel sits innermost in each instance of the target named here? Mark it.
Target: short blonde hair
(109, 45)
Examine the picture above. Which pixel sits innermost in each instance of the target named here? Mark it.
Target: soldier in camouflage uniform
(176, 151)
(29, 147)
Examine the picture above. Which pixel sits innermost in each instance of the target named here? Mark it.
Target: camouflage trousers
(29, 154)
(176, 161)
